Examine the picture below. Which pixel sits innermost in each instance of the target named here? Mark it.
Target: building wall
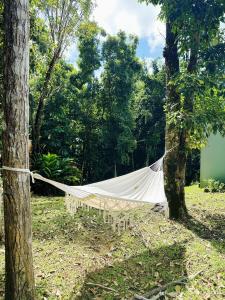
(212, 163)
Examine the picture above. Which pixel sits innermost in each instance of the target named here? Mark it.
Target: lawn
(72, 256)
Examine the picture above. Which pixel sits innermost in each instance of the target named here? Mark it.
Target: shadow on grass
(51, 221)
(208, 227)
(136, 275)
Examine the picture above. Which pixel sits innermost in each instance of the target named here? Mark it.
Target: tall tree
(191, 28)
(19, 282)
(64, 18)
(175, 136)
(148, 102)
(120, 65)
(72, 110)
(87, 93)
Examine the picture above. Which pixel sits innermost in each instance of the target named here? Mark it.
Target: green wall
(213, 160)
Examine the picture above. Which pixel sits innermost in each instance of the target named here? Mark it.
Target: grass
(70, 253)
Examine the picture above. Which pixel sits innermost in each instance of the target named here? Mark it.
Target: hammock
(116, 197)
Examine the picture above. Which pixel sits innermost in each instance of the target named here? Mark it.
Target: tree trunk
(115, 169)
(175, 160)
(1, 216)
(147, 157)
(19, 281)
(36, 130)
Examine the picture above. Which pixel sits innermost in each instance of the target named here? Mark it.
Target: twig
(139, 234)
(138, 297)
(158, 290)
(101, 286)
(156, 297)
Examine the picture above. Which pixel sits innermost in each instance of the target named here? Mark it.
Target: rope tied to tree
(19, 170)
(12, 169)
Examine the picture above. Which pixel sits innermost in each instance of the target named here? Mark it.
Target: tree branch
(101, 286)
(163, 288)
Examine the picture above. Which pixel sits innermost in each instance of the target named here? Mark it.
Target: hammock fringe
(118, 220)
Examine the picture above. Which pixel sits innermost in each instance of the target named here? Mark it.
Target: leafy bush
(215, 186)
(56, 168)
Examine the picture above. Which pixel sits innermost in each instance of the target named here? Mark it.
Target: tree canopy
(194, 89)
(108, 112)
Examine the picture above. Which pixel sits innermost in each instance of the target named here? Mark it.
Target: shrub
(214, 186)
(56, 168)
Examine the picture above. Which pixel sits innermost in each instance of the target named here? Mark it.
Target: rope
(167, 151)
(19, 170)
(33, 175)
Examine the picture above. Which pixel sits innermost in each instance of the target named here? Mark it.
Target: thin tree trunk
(19, 280)
(115, 169)
(83, 168)
(36, 130)
(132, 160)
(147, 156)
(175, 137)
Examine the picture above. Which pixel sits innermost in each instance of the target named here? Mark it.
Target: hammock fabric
(114, 198)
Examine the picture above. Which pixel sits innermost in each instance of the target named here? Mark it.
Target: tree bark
(175, 137)
(36, 130)
(19, 281)
(115, 169)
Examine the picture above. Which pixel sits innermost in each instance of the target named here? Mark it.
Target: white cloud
(71, 53)
(148, 63)
(157, 36)
(132, 17)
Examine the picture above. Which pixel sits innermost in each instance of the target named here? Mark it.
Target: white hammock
(115, 196)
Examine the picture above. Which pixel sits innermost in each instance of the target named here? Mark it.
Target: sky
(133, 18)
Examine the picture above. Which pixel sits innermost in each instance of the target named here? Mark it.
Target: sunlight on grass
(73, 253)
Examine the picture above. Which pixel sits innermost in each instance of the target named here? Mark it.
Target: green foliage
(90, 118)
(148, 101)
(215, 186)
(56, 168)
(200, 79)
(60, 122)
(208, 111)
(72, 118)
(214, 57)
(120, 66)
(97, 120)
(64, 17)
(89, 54)
(41, 51)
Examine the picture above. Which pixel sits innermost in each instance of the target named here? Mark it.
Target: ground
(73, 254)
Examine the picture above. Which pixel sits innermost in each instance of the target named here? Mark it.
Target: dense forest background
(103, 118)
